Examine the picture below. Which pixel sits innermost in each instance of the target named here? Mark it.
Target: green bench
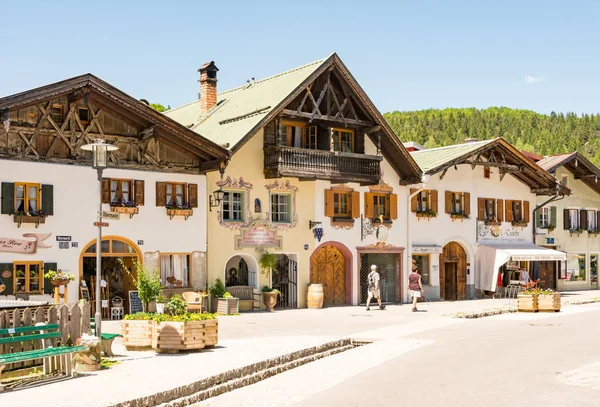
(107, 339)
(55, 358)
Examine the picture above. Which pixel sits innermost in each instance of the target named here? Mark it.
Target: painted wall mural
(240, 184)
(8, 244)
(286, 188)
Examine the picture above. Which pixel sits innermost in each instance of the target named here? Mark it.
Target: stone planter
(172, 337)
(186, 213)
(549, 302)
(137, 335)
(127, 210)
(527, 303)
(36, 220)
(228, 306)
(89, 359)
(270, 300)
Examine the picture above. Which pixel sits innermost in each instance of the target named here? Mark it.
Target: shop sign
(63, 238)
(427, 249)
(258, 235)
(549, 240)
(8, 244)
(503, 233)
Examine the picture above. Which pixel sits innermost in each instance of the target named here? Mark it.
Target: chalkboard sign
(135, 304)
(85, 293)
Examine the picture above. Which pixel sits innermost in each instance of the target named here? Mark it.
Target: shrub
(218, 290)
(147, 282)
(145, 316)
(176, 305)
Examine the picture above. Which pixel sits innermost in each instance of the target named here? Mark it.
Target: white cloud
(534, 79)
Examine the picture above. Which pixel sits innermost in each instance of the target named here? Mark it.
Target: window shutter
(48, 287)
(8, 282)
(538, 218)
(139, 192)
(566, 219)
(329, 203)
(355, 198)
(413, 201)
(368, 205)
(193, 195)
(448, 202)
(48, 199)
(480, 209)
(161, 194)
(467, 203)
(499, 211)
(105, 190)
(553, 216)
(509, 211)
(393, 206)
(526, 216)
(8, 200)
(433, 196)
(583, 219)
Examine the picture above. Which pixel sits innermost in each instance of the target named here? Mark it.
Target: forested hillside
(543, 134)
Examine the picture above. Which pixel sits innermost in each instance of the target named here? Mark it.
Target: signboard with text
(8, 244)
(504, 232)
(258, 236)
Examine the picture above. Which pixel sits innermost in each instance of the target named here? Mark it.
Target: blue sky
(538, 55)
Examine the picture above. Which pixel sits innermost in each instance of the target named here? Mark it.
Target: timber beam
(303, 115)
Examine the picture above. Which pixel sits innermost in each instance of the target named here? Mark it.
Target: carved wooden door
(328, 267)
(454, 254)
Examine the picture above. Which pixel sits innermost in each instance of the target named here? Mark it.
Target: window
(594, 268)
(342, 204)
(27, 197)
(175, 194)
(342, 140)
(564, 180)
(573, 219)
(423, 201)
(310, 137)
(380, 204)
(592, 222)
(120, 191)
(486, 172)
(297, 134)
(233, 202)
(281, 208)
(57, 113)
(575, 265)
(28, 277)
(517, 211)
(457, 204)
(123, 192)
(175, 270)
(544, 217)
(422, 261)
(84, 115)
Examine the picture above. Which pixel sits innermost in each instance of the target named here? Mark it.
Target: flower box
(459, 216)
(128, 210)
(426, 215)
(493, 223)
(180, 212)
(228, 306)
(519, 224)
(36, 220)
(137, 334)
(181, 336)
(549, 302)
(527, 303)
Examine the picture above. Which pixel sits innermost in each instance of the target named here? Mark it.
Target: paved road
(508, 360)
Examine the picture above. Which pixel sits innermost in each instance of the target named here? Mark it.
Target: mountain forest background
(543, 134)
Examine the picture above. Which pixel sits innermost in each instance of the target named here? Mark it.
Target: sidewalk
(247, 339)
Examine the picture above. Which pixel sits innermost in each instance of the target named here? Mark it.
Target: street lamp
(99, 149)
(218, 194)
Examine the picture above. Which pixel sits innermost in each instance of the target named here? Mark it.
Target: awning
(490, 257)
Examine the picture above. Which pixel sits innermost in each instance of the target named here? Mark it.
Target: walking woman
(415, 288)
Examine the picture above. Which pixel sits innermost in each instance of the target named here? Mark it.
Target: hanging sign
(101, 224)
(63, 238)
(24, 246)
(110, 215)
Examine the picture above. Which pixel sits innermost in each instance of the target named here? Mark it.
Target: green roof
(239, 110)
(433, 158)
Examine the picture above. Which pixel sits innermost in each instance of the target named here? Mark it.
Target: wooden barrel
(314, 298)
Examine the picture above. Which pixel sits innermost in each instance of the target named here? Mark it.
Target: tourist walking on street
(415, 288)
(373, 284)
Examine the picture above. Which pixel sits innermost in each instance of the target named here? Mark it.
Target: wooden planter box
(137, 335)
(180, 212)
(425, 215)
(455, 216)
(228, 306)
(493, 223)
(36, 220)
(549, 302)
(128, 210)
(527, 303)
(181, 336)
(519, 224)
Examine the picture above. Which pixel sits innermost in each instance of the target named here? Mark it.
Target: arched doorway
(328, 267)
(117, 253)
(241, 269)
(453, 272)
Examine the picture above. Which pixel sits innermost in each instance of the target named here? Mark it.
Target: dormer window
(342, 140)
(84, 115)
(57, 113)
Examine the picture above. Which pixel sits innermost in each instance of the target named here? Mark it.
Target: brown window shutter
(368, 205)
(480, 209)
(393, 206)
(413, 201)
(448, 202)
(582, 219)
(566, 219)
(526, 211)
(106, 190)
(500, 209)
(467, 203)
(433, 197)
(509, 211)
(193, 195)
(329, 203)
(161, 194)
(139, 192)
(355, 198)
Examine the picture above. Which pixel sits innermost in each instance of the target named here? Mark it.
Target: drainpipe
(424, 179)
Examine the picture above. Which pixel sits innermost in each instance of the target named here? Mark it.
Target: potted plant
(147, 282)
(228, 304)
(550, 228)
(267, 263)
(35, 217)
(161, 300)
(270, 297)
(459, 215)
(129, 208)
(184, 210)
(58, 278)
(493, 222)
(217, 290)
(548, 300)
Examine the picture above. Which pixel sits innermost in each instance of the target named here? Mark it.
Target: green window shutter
(48, 199)
(8, 198)
(538, 218)
(553, 216)
(8, 282)
(48, 287)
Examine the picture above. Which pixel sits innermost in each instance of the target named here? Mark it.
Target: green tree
(158, 107)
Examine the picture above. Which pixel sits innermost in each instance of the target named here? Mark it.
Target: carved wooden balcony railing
(317, 164)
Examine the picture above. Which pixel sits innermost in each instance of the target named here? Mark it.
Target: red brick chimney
(208, 86)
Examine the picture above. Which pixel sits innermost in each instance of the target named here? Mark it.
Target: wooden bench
(107, 339)
(55, 358)
(246, 295)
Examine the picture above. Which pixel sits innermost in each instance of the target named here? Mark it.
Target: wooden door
(328, 267)
(546, 274)
(450, 281)
(454, 257)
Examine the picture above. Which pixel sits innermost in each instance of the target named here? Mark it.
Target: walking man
(373, 285)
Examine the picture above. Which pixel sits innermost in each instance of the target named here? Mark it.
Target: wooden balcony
(318, 164)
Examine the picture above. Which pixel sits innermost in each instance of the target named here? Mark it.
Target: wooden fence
(73, 320)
